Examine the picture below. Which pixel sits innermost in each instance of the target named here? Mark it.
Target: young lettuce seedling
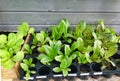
(10, 46)
(65, 60)
(61, 30)
(50, 51)
(26, 65)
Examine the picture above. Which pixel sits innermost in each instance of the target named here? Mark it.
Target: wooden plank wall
(43, 13)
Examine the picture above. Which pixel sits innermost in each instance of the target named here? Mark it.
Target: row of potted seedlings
(62, 51)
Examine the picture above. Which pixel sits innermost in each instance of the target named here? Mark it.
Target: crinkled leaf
(19, 56)
(80, 28)
(102, 24)
(4, 54)
(40, 37)
(111, 51)
(8, 64)
(3, 38)
(31, 30)
(24, 28)
(88, 57)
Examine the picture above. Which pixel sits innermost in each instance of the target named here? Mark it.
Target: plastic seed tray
(93, 69)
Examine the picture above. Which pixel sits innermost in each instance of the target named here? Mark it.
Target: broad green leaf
(56, 69)
(67, 50)
(8, 64)
(102, 24)
(63, 64)
(69, 61)
(111, 51)
(24, 66)
(24, 28)
(27, 76)
(31, 30)
(27, 48)
(4, 54)
(32, 72)
(32, 65)
(73, 56)
(94, 35)
(80, 28)
(46, 60)
(96, 49)
(57, 46)
(41, 56)
(40, 37)
(19, 42)
(26, 61)
(88, 57)
(41, 49)
(65, 71)
(19, 56)
(48, 50)
(74, 46)
(3, 38)
(59, 58)
(30, 60)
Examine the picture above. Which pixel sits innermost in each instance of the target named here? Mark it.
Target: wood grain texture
(61, 5)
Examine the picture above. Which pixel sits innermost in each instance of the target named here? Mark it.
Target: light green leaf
(8, 64)
(41, 56)
(3, 39)
(4, 54)
(24, 66)
(48, 50)
(27, 76)
(67, 50)
(88, 57)
(46, 60)
(56, 69)
(111, 51)
(26, 61)
(63, 64)
(31, 30)
(59, 58)
(102, 24)
(19, 56)
(32, 72)
(65, 71)
(40, 37)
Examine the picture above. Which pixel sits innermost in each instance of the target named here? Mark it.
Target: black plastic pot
(77, 70)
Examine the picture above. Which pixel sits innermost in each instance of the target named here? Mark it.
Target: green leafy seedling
(50, 51)
(65, 60)
(28, 63)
